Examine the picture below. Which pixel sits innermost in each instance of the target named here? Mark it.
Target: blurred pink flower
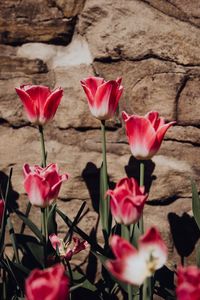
(135, 265)
(188, 283)
(47, 284)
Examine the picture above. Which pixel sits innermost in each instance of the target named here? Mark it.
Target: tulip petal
(29, 105)
(55, 241)
(102, 97)
(26, 169)
(114, 96)
(141, 136)
(89, 95)
(125, 116)
(38, 94)
(121, 247)
(151, 244)
(92, 83)
(162, 130)
(132, 269)
(152, 116)
(37, 190)
(51, 105)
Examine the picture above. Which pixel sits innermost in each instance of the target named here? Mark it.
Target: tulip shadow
(91, 176)
(185, 233)
(12, 195)
(133, 170)
(91, 269)
(164, 286)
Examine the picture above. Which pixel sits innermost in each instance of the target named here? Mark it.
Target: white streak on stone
(172, 163)
(76, 53)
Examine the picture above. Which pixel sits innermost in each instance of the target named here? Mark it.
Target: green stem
(147, 289)
(4, 285)
(141, 221)
(44, 232)
(141, 173)
(126, 234)
(44, 164)
(104, 202)
(45, 211)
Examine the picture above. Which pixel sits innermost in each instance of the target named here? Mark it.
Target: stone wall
(154, 46)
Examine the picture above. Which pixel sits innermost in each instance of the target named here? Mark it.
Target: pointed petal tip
(125, 116)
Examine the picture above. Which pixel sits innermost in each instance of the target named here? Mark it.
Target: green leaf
(79, 278)
(136, 233)
(51, 222)
(4, 217)
(198, 257)
(31, 225)
(195, 204)
(76, 229)
(17, 272)
(75, 222)
(31, 247)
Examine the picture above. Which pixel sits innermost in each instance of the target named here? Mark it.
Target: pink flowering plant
(131, 255)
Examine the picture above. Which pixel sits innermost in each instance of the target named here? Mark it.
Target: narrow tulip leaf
(76, 229)
(31, 225)
(28, 209)
(136, 233)
(198, 257)
(195, 204)
(51, 222)
(79, 278)
(75, 222)
(32, 248)
(4, 217)
(17, 273)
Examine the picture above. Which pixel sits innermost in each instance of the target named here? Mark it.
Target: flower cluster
(138, 254)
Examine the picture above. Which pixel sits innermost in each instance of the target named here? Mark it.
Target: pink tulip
(67, 250)
(40, 103)
(48, 284)
(42, 184)
(188, 283)
(127, 201)
(103, 96)
(1, 210)
(145, 134)
(135, 265)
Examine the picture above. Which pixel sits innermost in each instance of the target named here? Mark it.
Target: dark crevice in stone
(146, 56)
(62, 38)
(195, 144)
(179, 91)
(165, 201)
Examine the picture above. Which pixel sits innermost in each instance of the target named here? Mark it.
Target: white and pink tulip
(103, 96)
(145, 134)
(133, 265)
